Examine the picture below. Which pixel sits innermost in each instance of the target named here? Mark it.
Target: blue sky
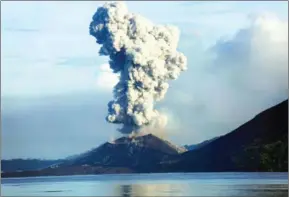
(55, 87)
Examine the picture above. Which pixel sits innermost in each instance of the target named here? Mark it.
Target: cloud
(240, 77)
(20, 30)
(257, 56)
(106, 79)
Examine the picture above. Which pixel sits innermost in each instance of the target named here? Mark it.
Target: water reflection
(133, 190)
(209, 184)
(126, 190)
(148, 190)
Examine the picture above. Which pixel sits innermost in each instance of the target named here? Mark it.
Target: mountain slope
(259, 145)
(196, 146)
(139, 153)
(124, 155)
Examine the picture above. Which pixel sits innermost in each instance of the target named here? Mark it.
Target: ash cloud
(146, 58)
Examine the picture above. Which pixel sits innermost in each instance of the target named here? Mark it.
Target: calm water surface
(178, 184)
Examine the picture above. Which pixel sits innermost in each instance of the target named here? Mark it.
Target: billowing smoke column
(146, 58)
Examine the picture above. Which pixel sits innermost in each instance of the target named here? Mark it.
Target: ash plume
(145, 56)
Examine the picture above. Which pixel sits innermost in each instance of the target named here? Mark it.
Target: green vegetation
(271, 157)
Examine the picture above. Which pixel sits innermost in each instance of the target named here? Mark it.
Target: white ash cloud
(247, 74)
(145, 56)
(106, 79)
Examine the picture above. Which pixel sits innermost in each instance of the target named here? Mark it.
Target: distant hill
(11, 165)
(26, 164)
(261, 144)
(196, 146)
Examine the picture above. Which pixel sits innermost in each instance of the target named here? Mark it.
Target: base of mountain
(96, 170)
(73, 170)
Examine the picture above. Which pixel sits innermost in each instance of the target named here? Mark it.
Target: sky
(55, 87)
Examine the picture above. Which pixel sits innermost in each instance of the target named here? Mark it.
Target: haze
(55, 87)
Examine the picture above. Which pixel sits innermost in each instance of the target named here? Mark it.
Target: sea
(170, 184)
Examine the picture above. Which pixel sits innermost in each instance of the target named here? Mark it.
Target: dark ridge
(261, 144)
(12, 165)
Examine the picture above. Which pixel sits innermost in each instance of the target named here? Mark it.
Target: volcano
(124, 155)
(139, 153)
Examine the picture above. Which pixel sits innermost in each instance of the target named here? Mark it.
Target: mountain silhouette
(261, 144)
